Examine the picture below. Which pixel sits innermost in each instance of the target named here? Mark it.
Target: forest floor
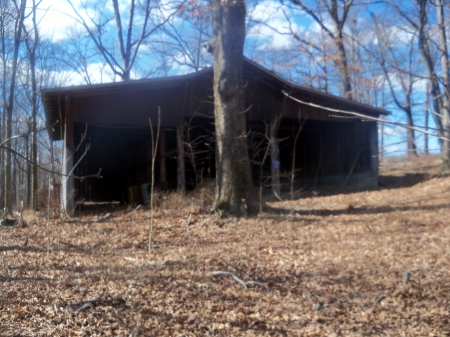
(364, 263)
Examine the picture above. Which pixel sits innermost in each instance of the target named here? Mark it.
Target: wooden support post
(181, 176)
(67, 187)
(275, 156)
(373, 139)
(162, 156)
(339, 144)
(321, 142)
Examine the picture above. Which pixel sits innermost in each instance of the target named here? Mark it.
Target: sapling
(152, 185)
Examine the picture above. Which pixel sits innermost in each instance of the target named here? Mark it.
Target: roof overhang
(54, 99)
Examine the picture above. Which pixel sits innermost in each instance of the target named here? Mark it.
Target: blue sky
(263, 44)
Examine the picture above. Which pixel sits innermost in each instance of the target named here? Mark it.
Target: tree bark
(10, 103)
(410, 137)
(235, 194)
(343, 67)
(32, 47)
(2, 161)
(446, 78)
(426, 114)
(338, 13)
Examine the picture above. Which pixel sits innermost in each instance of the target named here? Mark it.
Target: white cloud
(55, 18)
(97, 73)
(389, 130)
(271, 26)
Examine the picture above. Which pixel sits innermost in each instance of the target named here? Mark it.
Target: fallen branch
(258, 284)
(380, 298)
(134, 210)
(187, 229)
(214, 216)
(96, 302)
(107, 216)
(227, 273)
(68, 244)
(158, 264)
(205, 221)
(244, 284)
(188, 222)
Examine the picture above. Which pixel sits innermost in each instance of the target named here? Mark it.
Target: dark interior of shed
(124, 155)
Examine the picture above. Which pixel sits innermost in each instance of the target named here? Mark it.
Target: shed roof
(54, 98)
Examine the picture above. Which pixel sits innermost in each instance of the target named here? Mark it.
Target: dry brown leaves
(334, 265)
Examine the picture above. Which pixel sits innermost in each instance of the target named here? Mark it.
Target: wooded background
(389, 54)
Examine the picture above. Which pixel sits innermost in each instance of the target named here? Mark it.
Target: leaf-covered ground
(333, 265)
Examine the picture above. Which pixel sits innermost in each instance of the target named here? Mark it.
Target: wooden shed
(112, 120)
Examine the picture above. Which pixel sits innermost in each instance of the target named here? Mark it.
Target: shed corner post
(275, 156)
(181, 175)
(67, 183)
(162, 156)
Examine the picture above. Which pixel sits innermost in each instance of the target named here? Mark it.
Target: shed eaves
(54, 98)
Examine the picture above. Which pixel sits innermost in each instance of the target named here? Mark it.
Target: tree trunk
(2, 159)
(10, 105)
(234, 186)
(343, 67)
(428, 62)
(411, 141)
(28, 163)
(427, 108)
(8, 163)
(32, 46)
(445, 98)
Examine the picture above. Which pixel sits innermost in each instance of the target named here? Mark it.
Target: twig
(276, 194)
(366, 117)
(206, 220)
(97, 301)
(83, 307)
(68, 244)
(227, 273)
(308, 296)
(258, 284)
(134, 210)
(155, 144)
(158, 264)
(188, 222)
(380, 298)
(187, 228)
(102, 219)
(217, 231)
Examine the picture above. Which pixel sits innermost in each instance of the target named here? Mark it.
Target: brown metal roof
(54, 98)
(319, 97)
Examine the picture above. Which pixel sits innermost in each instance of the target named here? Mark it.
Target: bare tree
(32, 42)
(18, 13)
(235, 193)
(182, 41)
(337, 11)
(418, 18)
(144, 18)
(443, 50)
(398, 65)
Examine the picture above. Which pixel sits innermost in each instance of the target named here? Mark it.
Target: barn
(297, 136)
